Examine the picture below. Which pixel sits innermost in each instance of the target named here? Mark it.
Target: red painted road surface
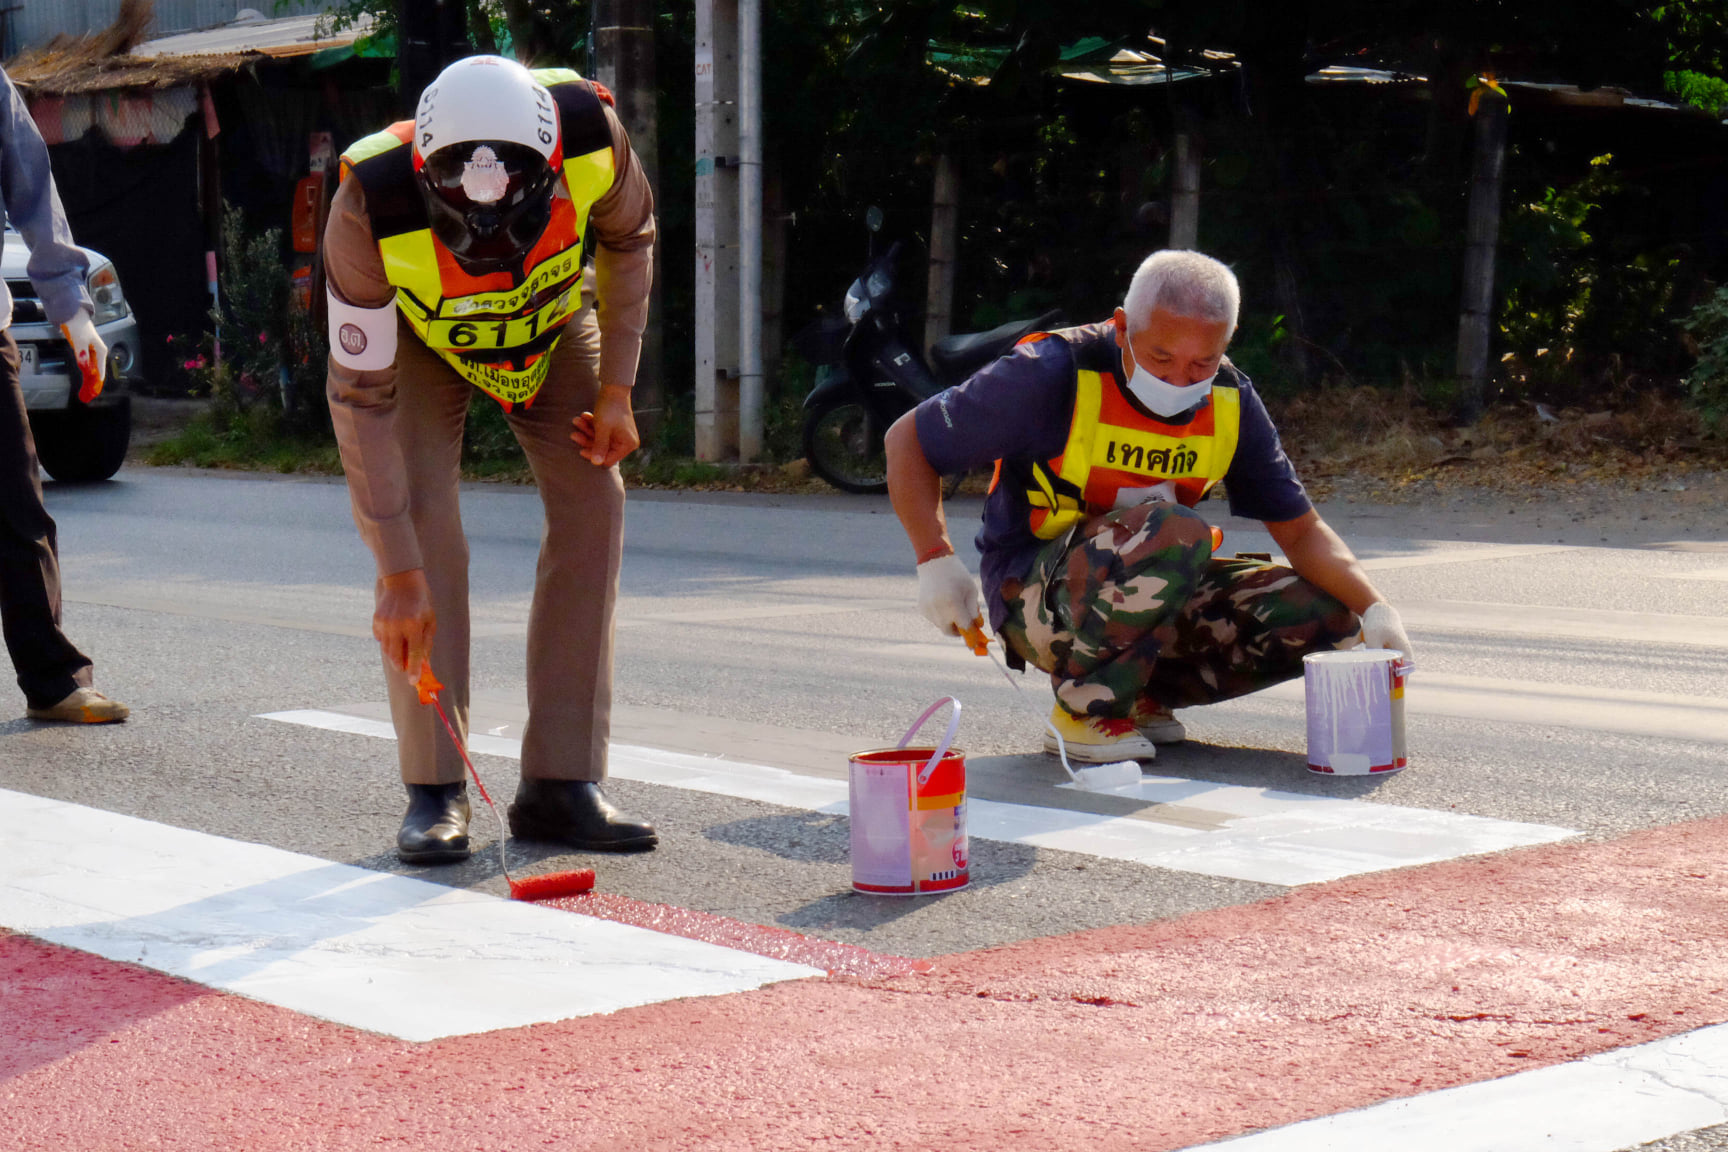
(1157, 1037)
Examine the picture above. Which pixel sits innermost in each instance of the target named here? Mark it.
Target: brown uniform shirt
(362, 404)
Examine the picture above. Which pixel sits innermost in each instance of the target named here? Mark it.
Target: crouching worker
(454, 258)
(1096, 567)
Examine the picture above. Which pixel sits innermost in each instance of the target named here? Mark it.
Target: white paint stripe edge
(366, 949)
(1272, 837)
(1605, 1102)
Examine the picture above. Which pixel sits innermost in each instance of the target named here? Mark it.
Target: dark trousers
(49, 667)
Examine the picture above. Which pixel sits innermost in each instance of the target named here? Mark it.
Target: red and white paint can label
(908, 838)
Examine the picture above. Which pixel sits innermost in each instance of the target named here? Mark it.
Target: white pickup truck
(74, 441)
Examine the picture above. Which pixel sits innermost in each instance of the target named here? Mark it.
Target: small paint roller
(547, 887)
(1089, 778)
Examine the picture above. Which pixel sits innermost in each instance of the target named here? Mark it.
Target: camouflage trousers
(1132, 608)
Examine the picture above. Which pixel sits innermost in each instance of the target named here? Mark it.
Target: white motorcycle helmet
(487, 150)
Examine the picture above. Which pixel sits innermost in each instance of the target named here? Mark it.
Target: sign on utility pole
(717, 365)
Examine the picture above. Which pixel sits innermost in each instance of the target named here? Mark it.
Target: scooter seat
(956, 357)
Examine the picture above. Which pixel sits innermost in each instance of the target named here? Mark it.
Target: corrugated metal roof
(288, 36)
(35, 22)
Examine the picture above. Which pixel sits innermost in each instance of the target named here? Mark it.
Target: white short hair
(1183, 283)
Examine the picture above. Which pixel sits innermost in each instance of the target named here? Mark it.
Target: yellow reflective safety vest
(497, 330)
(1114, 443)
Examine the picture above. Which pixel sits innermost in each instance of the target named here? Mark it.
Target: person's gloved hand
(90, 352)
(948, 595)
(1381, 628)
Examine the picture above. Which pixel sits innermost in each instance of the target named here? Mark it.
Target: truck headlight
(106, 295)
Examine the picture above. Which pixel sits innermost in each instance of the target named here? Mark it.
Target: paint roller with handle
(1089, 778)
(547, 887)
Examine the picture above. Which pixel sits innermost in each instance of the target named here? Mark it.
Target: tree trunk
(624, 54)
(1481, 240)
(944, 250)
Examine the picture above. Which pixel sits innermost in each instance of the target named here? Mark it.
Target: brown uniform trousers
(575, 585)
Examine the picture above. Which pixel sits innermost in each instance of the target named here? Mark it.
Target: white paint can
(1355, 711)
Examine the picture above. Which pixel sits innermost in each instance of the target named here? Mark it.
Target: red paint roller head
(553, 885)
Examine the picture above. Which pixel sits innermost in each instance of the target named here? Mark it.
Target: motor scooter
(869, 373)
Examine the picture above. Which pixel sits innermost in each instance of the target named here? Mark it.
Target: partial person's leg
(49, 667)
(576, 581)
(570, 623)
(1247, 627)
(1098, 613)
(431, 412)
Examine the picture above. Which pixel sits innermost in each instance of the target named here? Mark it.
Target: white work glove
(90, 352)
(1381, 628)
(948, 595)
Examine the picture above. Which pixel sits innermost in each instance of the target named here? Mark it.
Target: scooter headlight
(856, 304)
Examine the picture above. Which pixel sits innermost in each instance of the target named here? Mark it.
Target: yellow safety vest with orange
(497, 330)
(1113, 444)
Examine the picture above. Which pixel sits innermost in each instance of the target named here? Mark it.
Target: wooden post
(1481, 240)
(1185, 190)
(944, 250)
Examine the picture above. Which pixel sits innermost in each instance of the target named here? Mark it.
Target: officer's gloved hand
(90, 352)
(948, 595)
(1381, 628)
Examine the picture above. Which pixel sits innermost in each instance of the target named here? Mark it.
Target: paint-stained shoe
(577, 814)
(435, 827)
(1157, 723)
(83, 706)
(1097, 739)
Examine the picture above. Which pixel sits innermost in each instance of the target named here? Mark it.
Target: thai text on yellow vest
(1113, 446)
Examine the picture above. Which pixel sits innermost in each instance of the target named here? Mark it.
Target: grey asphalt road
(1584, 686)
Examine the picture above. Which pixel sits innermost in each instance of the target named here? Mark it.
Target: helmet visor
(488, 200)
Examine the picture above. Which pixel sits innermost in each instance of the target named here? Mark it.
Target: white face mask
(1165, 399)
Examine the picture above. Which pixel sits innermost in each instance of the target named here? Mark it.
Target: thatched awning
(120, 58)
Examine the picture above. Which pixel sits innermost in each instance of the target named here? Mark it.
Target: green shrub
(1707, 325)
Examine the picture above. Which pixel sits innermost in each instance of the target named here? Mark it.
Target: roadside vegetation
(1341, 205)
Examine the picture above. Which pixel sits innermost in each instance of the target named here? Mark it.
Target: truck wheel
(82, 445)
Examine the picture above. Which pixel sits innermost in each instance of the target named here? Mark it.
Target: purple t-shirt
(1019, 408)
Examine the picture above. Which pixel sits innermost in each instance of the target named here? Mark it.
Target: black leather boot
(574, 812)
(435, 827)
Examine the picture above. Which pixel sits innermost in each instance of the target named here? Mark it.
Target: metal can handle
(947, 737)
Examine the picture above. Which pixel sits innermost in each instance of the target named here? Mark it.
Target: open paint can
(1355, 711)
(908, 814)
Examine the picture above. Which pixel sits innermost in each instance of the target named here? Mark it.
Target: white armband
(363, 339)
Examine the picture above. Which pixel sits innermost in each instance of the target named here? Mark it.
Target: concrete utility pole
(716, 228)
(624, 48)
(750, 229)
(1481, 242)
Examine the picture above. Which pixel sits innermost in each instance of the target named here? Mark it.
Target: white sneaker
(1157, 723)
(1097, 739)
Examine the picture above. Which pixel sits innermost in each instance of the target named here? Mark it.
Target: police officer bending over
(454, 256)
(1096, 568)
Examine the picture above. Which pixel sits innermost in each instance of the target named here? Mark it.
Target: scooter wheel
(843, 443)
